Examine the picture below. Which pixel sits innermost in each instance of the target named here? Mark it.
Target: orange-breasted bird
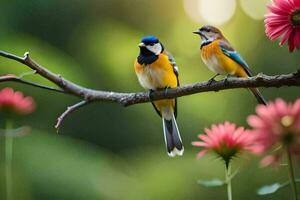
(156, 69)
(221, 58)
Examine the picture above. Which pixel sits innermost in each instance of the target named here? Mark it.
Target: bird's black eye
(151, 44)
(208, 30)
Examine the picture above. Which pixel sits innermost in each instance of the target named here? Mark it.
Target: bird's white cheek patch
(156, 49)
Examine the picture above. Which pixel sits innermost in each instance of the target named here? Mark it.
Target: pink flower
(277, 125)
(284, 21)
(11, 101)
(226, 140)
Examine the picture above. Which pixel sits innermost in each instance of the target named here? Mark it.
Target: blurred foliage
(105, 151)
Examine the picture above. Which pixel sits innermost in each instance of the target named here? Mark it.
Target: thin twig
(14, 78)
(69, 110)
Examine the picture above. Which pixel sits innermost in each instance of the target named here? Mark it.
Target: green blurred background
(105, 151)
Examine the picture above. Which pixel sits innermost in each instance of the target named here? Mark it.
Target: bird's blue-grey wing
(231, 53)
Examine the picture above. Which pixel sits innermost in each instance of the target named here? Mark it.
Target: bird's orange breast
(211, 49)
(157, 75)
(213, 56)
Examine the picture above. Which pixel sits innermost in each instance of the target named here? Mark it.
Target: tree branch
(126, 99)
(69, 110)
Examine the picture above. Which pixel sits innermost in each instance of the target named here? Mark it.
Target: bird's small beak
(198, 32)
(142, 44)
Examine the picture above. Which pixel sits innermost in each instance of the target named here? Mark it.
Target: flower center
(287, 121)
(295, 17)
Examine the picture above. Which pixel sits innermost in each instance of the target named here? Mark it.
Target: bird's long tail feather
(258, 96)
(172, 137)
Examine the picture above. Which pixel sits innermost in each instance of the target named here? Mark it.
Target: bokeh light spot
(191, 9)
(255, 9)
(214, 12)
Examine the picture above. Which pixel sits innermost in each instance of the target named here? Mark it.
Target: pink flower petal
(286, 36)
(281, 107)
(279, 30)
(255, 121)
(291, 41)
(199, 144)
(276, 10)
(201, 154)
(296, 3)
(266, 161)
(284, 5)
(297, 38)
(205, 138)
